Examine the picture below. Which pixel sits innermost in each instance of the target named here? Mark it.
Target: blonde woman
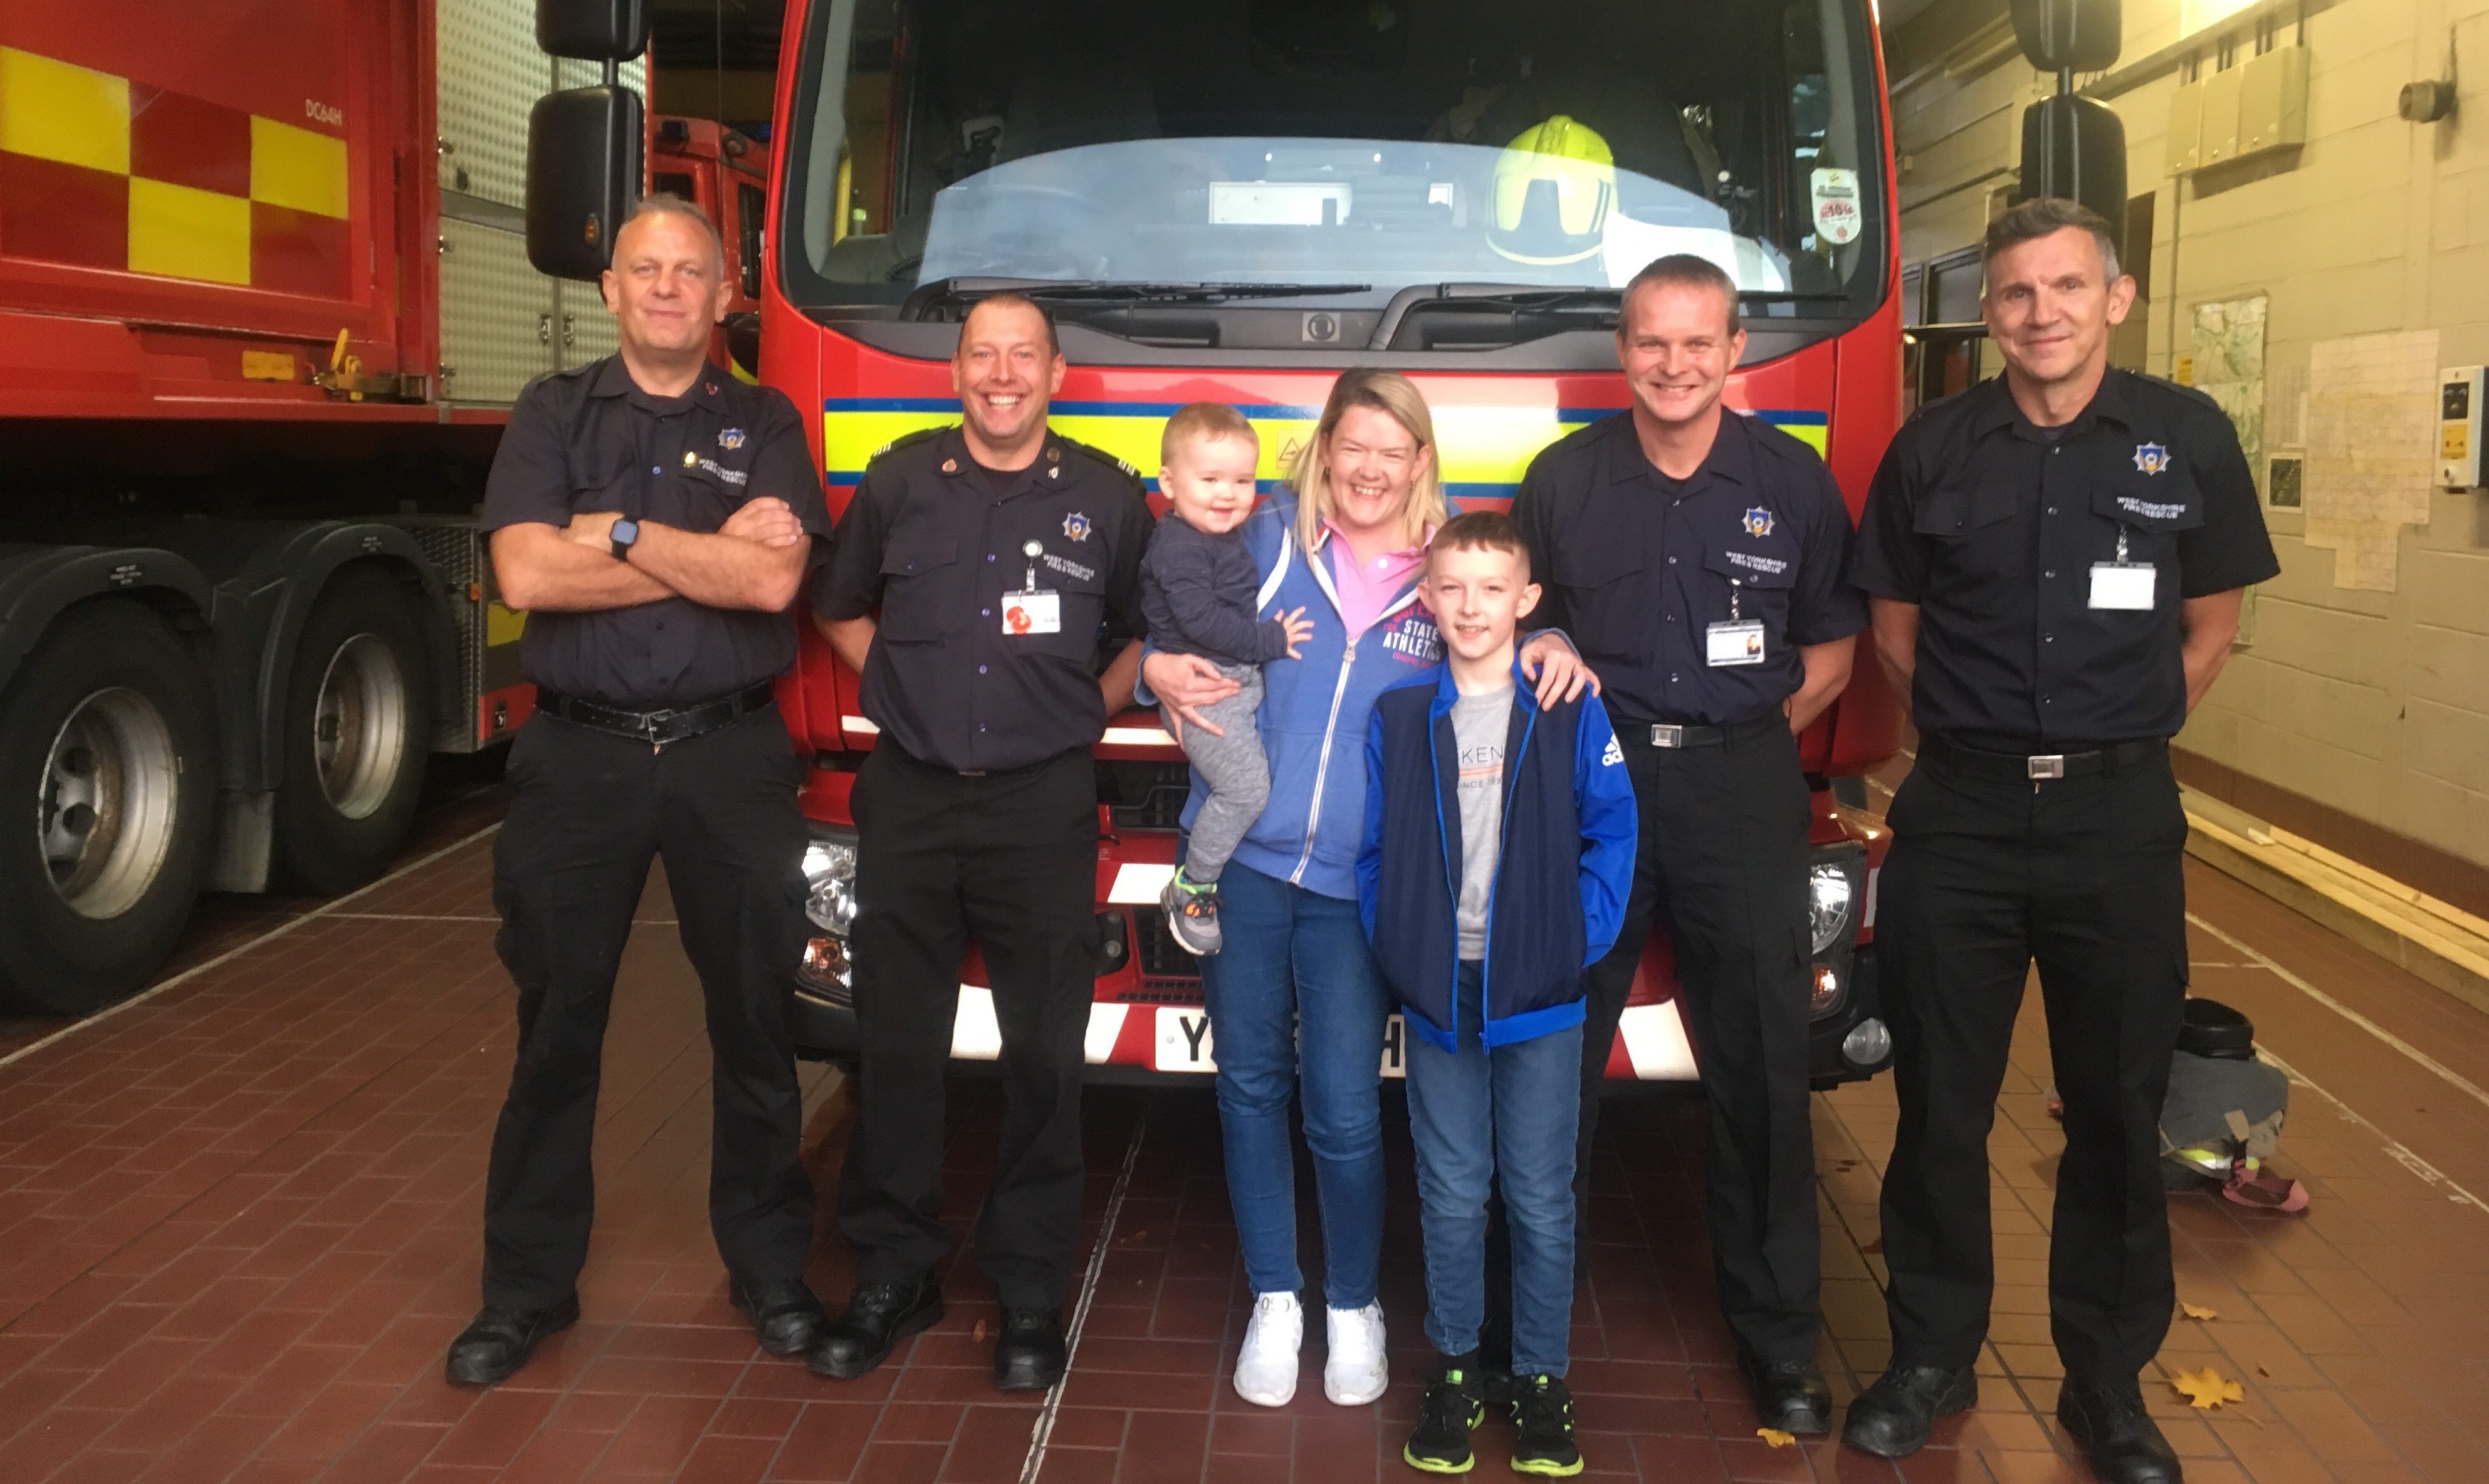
(1296, 1000)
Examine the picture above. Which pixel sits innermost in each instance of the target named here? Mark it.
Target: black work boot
(1030, 1353)
(785, 1318)
(1791, 1395)
(2123, 1442)
(1892, 1419)
(498, 1341)
(878, 1316)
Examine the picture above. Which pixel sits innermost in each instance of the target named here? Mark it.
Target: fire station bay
(1261, 740)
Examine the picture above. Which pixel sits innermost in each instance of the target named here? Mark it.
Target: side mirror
(743, 340)
(584, 167)
(2062, 35)
(592, 30)
(2075, 148)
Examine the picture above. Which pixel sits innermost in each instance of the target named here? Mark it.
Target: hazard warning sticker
(1836, 205)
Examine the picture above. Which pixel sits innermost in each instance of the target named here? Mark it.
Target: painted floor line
(2447, 1075)
(1043, 1429)
(325, 909)
(2395, 1150)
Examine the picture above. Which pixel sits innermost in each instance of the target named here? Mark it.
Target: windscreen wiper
(1482, 314)
(926, 298)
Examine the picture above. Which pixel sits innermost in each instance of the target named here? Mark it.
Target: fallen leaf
(1872, 1247)
(2261, 1371)
(2198, 1310)
(2206, 1388)
(1775, 1437)
(978, 1332)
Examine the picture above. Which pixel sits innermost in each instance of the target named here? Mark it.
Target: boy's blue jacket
(1314, 709)
(1560, 877)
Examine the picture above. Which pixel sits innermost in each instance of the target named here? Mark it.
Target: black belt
(1670, 736)
(2036, 767)
(669, 724)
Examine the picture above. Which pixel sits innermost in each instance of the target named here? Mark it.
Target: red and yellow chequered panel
(103, 172)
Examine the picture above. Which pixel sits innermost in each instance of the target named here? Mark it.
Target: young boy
(1499, 850)
(1199, 594)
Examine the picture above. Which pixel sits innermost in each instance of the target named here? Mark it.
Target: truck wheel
(358, 722)
(106, 732)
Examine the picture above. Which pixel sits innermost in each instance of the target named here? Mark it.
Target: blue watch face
(625, 532)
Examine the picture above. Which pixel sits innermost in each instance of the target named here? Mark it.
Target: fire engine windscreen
(1381, 143)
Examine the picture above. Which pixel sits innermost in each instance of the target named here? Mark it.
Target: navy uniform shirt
(937, 542)
(1993, 525)
(1636, 566)
(587, 440)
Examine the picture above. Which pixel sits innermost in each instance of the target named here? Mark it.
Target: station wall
(2367, 703)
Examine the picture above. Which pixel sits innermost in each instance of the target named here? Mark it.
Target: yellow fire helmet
(1554, 184)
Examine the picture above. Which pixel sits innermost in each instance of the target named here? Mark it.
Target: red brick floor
(238, 1225)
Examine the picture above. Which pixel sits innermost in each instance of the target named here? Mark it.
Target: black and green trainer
(1542, 1408)
(1453, 1405)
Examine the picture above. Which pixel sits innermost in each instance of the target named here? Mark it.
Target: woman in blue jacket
(1296, 998)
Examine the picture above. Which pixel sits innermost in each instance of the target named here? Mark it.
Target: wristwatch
(625, 535)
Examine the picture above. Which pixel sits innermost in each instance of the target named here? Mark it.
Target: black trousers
(2083, 875)
(1722, 861)
(1010, 858)
(589, 812)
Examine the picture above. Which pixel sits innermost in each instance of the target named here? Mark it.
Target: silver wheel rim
(111, 790)
(359, 727)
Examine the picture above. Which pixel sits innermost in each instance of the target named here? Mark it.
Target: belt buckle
(2047, 765)
(1663, 735)
(652, 723)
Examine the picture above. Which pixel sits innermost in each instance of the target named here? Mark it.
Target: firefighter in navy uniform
(1695, 557)
(655, 518)
(1001, 561)
(2055, 560)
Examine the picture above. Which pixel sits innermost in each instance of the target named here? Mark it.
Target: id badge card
(1038, 611)
(2122, 585)
(1737, 641)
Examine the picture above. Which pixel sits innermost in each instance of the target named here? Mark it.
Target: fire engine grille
(1165, 967)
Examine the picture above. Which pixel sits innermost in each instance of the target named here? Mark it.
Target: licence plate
(1185, 1041)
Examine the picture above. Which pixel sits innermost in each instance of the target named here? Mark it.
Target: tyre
(358, 722)
(105, 730)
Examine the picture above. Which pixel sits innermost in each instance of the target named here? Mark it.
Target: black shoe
(500, 1341)
(1029, 1354)
(785, 1317)
(1453, 1406)
(878, 1316)
(1791, 1395)
(1544, 1414)
(1892, 1419)
(2118, 1435)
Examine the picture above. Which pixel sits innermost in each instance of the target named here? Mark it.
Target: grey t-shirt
(1480, 726)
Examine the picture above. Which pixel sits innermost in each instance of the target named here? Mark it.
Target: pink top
(1365, 591)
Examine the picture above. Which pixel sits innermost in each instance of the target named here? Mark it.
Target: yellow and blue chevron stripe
(1485, 448)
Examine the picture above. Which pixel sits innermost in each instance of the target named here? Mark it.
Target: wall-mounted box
(2185, 143)
(2273, 100)
(2459, 397)
(2221, 91)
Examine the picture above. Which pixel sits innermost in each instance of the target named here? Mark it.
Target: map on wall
(2228, 366)
(2371, 451)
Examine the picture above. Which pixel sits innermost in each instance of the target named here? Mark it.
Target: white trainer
(1357, 1371)
(1266, 1373)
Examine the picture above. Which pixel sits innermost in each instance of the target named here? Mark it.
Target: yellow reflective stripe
(54, 110)
(295, 167)
(178, 232)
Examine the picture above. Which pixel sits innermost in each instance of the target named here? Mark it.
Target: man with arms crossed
(2054, 560)
(654, 518)
(1694, 557)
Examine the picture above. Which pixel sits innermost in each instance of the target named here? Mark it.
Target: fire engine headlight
(829, 879)
(1832, 901)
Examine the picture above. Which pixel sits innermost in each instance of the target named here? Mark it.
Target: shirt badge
(1076, 525)
(2151, 458)
(730, 438)
(1759, 521)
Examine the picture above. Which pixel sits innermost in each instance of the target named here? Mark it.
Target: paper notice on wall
(2371, 451)
(2228, 366)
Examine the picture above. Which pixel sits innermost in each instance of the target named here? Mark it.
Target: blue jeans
(1482, 1117)
(1295, 999)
